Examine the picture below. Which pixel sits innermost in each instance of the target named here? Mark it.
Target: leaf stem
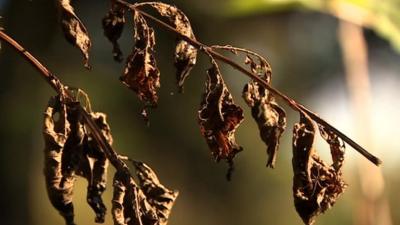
(291, 102)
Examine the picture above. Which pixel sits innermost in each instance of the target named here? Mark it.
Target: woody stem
(289, 101)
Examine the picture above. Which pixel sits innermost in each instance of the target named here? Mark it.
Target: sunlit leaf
(316, 185)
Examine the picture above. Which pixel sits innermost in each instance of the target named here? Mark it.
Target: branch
(289, 101)
(59, 87)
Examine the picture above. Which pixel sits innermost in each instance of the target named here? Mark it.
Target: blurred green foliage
(380, 15)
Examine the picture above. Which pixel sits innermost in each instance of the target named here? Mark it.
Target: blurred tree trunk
(373, 207)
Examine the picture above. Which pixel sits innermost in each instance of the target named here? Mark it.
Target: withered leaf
(158, 196)
(113, 25)
(94, 164)
(185, 54)
(74, 30)
(316, 185)
(71, 153)
(270, 117)
(141, 73)
(129, 205)
(336, 145)
(261, 69)
(219, 117)
(147, 204)
(55, 133)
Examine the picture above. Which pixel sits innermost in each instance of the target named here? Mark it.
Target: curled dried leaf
(55, 133)
(113, 25)
(94, 164)
(147, 204)
(262, 68)
(141, 73)
(336, 145)
(129, 204)
(158, 196)
(74, 30)
(219, 117)
(270, 117)
(185, 54)
(316, 185)
(73, 152)
(185, 59)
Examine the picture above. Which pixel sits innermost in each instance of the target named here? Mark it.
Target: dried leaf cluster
(71, 151)
(72, 146)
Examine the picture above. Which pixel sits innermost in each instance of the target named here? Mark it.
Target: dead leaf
(141, 73)
(113, 25)
(316, 185)
(185, 54)
(74, 30)
(70, 150)
(158, 196)
(261, 69)
(270, 117)
(336, 145)
(147, 204)
(94, 166)
(219, 117)
(55, 133)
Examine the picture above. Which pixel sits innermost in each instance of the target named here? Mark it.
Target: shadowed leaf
(219, 117)
(141, 73)
(55, 133)
(70, 150)
(270, 117)
(113, 25)
(185, 54)
(74, 30)
(161, 198)
(149, 203)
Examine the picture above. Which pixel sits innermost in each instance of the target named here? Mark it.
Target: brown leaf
(141, 73)
(158, 196)
(113, 25)
(93, 166)
(316, 185)
(149, 204)
(261, 69)
(70, 150)
(55, 133)
(185, 54)
(74, 30)
(270, 117)
(129, 205)
(336, 145)
(219, 117)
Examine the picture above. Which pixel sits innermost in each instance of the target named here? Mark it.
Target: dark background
(307, 64)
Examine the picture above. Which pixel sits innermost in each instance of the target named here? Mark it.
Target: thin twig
(59, 87)
(51, 79)
(291, 102)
